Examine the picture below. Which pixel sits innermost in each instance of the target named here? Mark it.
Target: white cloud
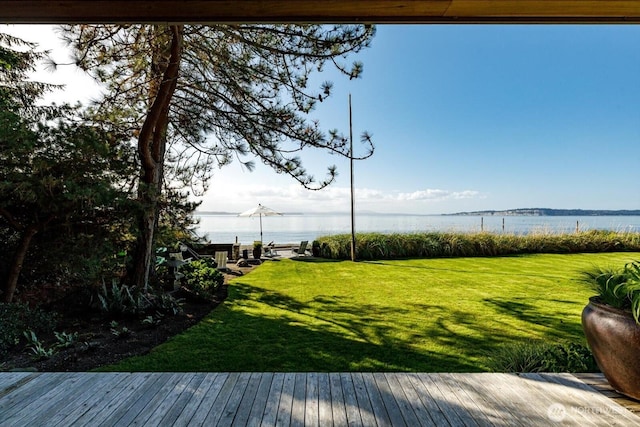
(294, 198)
(438, 195)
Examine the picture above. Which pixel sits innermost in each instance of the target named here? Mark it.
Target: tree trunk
(151, 148)
(18, 261)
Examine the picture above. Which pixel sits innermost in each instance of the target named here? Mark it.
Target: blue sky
(468, 118)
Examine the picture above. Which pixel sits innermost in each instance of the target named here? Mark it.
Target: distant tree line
(551, 212)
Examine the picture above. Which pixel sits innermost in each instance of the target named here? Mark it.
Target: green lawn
(429, 315)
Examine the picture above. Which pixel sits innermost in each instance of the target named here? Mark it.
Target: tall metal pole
(353, 215)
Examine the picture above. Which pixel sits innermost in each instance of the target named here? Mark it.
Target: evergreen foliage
(196, 96)
(62, 181)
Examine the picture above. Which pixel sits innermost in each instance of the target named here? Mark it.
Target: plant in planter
(315, 248)
(257, 249)
(611, 322)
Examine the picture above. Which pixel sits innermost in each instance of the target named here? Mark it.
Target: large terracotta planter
(614, 338)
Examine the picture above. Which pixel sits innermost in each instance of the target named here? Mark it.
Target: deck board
(186, 396)
(286, 400)
(405, 404)
(352, 410)
(59, 406)
(107, 386)
(443, 400)
(144, 394)
(340, 399)
(338, 408)
(389, 400)
(504, 412)
(167, 400)
(600, 383)
(420, 411)
(103, 409)
(471, 403)
(298, 407)
(311, 418)
(550, 395)
(248, 399)
(377, 400)
(273, 400)
(427, 400)
(10, 380)
(257, 409)
(325, 412)
(29, 388)
(235, 399)
(47, 402)
(523, 399)
(198, 410)
(587, 400)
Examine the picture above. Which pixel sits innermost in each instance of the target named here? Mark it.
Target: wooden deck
(295, 399)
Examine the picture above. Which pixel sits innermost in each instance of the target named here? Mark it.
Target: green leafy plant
(164, 304)
(202, 278)
(32, 338)
(37, 347)
(121, 300)
(119, 332)
(605, 281)
(617, 287)
(41, 352)
(66, 340)
(632, 288)
(16, 319)
(152, 320)
(542, 357)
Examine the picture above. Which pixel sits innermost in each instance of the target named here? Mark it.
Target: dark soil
(99, 343)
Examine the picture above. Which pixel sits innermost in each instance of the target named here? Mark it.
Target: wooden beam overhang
(314, 11)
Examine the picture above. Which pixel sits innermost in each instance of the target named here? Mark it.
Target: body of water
(295, 228)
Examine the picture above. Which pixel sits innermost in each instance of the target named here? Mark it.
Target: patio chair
(302, 249)
(221, 260)
(269, 250)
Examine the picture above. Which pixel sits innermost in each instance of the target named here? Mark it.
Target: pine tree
(56, 167)
(196, 96)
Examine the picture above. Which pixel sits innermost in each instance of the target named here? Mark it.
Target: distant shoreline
(507, 212)
(549, 212)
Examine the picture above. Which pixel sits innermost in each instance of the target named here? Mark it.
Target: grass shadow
(234, 340)
(523, 310)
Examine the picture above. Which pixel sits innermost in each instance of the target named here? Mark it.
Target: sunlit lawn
(428, 315)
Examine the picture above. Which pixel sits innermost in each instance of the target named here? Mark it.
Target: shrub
(619, 288)
(164, 304)
(18, 319)
(543, 357)
(37, 348)
(373, 246)
(202, 278)
(605, 281)
(121, 300)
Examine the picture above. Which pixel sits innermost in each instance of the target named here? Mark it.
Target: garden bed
(100, 342)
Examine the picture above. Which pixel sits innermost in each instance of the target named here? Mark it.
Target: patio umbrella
(260, 211)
